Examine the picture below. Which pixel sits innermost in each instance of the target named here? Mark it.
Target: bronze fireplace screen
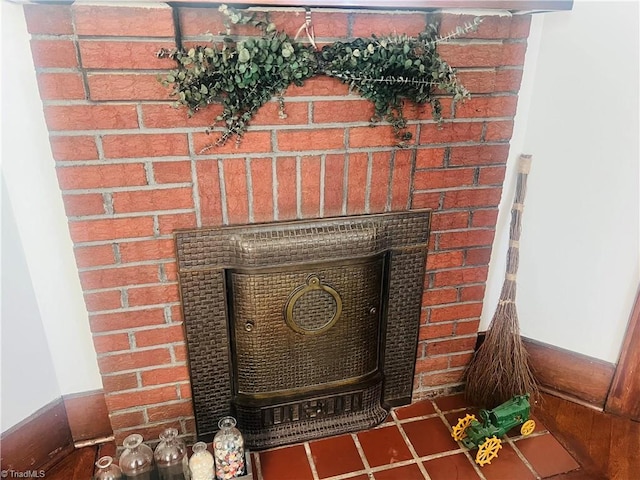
(302, 329)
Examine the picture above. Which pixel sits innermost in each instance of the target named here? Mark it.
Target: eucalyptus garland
(244, 75)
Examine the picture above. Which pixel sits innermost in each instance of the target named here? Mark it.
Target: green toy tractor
(495, 423)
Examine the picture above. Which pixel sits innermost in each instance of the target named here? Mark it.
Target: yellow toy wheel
(459, 431)
(488, 451)
(528, 427)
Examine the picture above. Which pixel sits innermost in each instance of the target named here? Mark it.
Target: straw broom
(500, 369)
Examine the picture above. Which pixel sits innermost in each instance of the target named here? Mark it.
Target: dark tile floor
(415, 443)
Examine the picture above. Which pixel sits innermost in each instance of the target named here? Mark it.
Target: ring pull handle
(313, 283)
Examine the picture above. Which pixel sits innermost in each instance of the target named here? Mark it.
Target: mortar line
(274, 189)
(269, 128)
(196, 194)
(124, 298)
(322, 183)
(345, 183)
(367, 188)
(100, 148)
(110, 215)
(149, 174)
(76, 46)
(249, 180)
(134, 188)
(223, 193)
(392, 166)
(298, 187)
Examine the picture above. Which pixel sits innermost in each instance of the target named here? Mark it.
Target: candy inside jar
(228, 450)
(201, 463)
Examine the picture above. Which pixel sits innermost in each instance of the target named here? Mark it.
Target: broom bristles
(500, 369)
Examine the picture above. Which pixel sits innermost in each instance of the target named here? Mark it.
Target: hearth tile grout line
(258, 466)
(464, 450)
(312, 465)
(512, 442)
(360, 450)
(414, 454)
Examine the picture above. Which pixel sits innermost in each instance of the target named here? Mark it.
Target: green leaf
(244, 55)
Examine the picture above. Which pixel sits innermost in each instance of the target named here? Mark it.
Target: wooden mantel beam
(512, 5)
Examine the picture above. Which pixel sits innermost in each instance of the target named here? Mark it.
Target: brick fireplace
(131, 172)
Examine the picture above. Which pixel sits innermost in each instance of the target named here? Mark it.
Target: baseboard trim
(88, 416)
(572, 374)
(39, 441)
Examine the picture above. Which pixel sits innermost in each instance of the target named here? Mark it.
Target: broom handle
(524, 166)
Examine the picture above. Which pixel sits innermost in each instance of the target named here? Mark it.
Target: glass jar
(136, 461)
(171, 457)
(228, 450)
(201, 463)
(107, 470)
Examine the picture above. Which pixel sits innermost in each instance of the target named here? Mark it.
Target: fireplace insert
(302, 329)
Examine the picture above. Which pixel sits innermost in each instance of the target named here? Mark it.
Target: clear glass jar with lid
(228, 450)
(201, 463)
(107, 470)
(136, 462)
(171, 457)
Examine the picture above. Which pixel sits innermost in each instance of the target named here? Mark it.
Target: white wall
(31, 185)
(578, 116)
(28, 377)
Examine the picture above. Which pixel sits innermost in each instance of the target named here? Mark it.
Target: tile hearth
(414, 443)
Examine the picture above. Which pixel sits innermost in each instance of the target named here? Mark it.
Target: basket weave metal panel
(321, 426)
(224, 358)
(269, 356)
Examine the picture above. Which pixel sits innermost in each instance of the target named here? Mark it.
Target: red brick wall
(131, 171)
